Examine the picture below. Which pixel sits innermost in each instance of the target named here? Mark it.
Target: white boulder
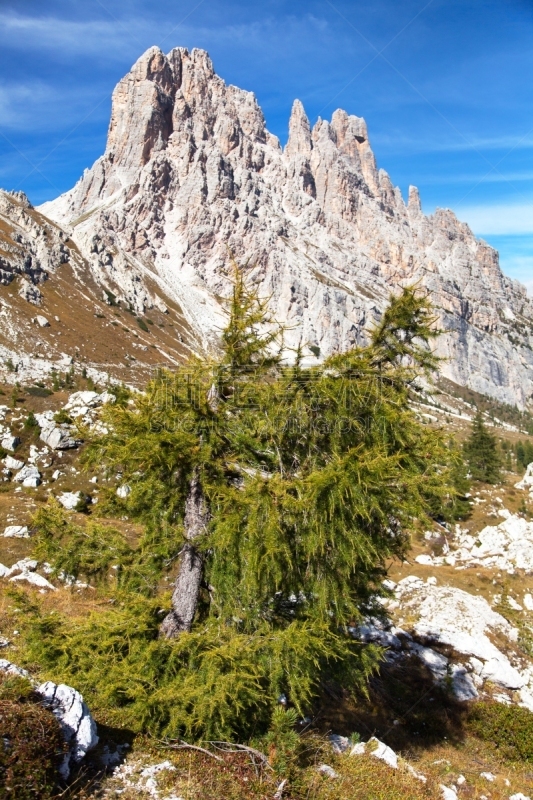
(35, 579)
(465, 622)
(28, 476)
(69, 500)
(12, 669)
(328, 771)
(123, 491)
(527, 480)
(82, 400)
(41, 321)
(77, 724)
(17, 532)
(13, 463)
(10, 442)
(377, 749)
(58, 437)
(447, 792)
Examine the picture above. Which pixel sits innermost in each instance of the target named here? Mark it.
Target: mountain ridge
(190, 174)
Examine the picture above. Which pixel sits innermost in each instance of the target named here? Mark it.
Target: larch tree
(275, 495)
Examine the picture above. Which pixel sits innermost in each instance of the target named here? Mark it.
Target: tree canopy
(481, 452)
(284, 492)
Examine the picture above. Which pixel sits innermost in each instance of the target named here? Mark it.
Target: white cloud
(107, 39)
(499, 219)
(480, 177)
(432, 144)
(39, 106)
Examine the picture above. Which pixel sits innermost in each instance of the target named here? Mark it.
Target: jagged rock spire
(299, 142)
(414, 204)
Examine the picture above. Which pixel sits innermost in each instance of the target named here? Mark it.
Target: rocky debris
(84, 406)
(24, 570)
(41, 321)
(13, 463)
(448, 792)
(77, 724)
(34, 579)
(339, 744)
(70, 500)
(139, 778)
(190, 170)
(506, 546)
(30, 293)
(28, 476)
(328, 771)
(17, 531)
(376, 749)
(12, 669)
(10, 442)
(519, 796)
(527, 481)
(418, 775)
(57, 436)
(444, 615)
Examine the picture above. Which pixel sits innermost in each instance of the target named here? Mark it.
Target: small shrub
(30, 423)
(282, 740)
(142, 324)
(509, 728)
(32, 743)
(62, 417)
(315, 350)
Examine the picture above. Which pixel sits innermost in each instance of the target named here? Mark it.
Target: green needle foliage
(313, 479)
(481, 452)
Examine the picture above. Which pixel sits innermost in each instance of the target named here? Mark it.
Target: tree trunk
(187, 586)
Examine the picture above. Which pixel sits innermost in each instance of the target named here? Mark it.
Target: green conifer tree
(481, 452)
(278, 495)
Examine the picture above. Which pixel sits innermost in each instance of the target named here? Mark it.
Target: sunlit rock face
(191, 175)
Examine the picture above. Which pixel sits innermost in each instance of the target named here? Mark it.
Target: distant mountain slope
(56, 315)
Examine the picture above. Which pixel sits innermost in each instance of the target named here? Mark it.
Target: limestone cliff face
(190, 173)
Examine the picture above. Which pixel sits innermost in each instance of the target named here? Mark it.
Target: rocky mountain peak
(300, 141)
(191, 172)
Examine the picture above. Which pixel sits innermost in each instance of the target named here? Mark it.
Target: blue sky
(445, 86)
